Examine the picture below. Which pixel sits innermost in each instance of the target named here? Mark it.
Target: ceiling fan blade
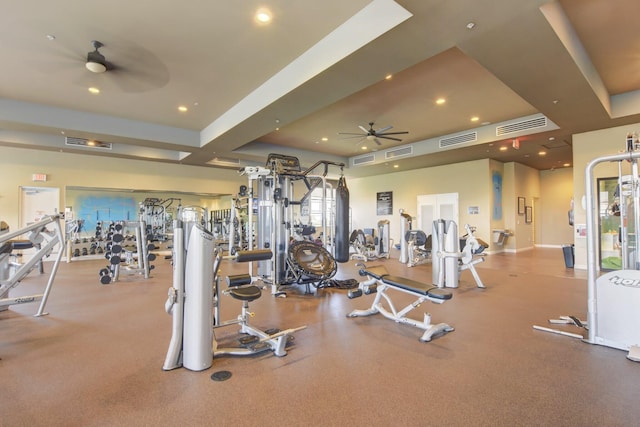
(389, 137)
(384, 129)
(393, 133)
(349, 133)
(376, 141)
(355, 135)
(364, 129)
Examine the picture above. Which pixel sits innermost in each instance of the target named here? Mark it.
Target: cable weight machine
(272, 197)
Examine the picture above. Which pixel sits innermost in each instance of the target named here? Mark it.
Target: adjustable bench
(380, 281)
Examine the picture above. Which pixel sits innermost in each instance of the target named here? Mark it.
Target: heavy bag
(342, 221)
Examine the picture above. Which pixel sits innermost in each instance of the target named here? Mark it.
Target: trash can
(568, 252)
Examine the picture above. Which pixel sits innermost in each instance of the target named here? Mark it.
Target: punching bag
(342, 221)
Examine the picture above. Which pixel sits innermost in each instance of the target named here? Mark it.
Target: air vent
(398, 152)
(538, 122)
(87, 143)
(229, 161)
(458, 139)
(363, 160)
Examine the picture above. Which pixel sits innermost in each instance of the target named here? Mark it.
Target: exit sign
(39, 177)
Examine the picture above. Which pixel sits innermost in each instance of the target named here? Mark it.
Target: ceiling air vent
(87, 143)
(538, 122)
(363, 160)
(458, 139)
(398, 152)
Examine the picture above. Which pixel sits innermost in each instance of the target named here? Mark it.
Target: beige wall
(587, 147)
(556, 189)
(471, 180)
(63, 169)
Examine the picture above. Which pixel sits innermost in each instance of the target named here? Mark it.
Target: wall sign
(384, 203)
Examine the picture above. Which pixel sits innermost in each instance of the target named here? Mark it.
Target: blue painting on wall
(105, 208)
(496, 181)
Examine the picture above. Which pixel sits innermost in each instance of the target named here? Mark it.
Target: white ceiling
(317, 70)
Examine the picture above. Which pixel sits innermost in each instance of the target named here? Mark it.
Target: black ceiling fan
(372, 134)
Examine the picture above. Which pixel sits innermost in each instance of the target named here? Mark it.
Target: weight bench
(380, 281)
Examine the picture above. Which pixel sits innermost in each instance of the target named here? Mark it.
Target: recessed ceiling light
(388, 77)
(263, 16)
(364, 147)
(325, 139)
(475, 118)
(396, 166)
(552, 138)
(566, 165)
(183, 109)
(51, 37)
(471, 25)
(94, 90)
(504, 148)
(542, 153)
(440, 101)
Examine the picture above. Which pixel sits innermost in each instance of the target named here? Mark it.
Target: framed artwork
(520, 205)
(528, 214)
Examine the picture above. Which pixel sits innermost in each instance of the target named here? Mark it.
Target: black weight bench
(380, 281)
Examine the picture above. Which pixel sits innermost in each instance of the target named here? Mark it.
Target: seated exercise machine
(418, 247)
(448, 260)
(380, 281)
(194, 302)
(11, 274)
(240, 287)
(364, 246)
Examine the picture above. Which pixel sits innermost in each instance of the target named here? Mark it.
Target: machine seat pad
(254, 255)
(246, 293)
(238, 280)
(376, 271)
(417, 287)
(21, 244)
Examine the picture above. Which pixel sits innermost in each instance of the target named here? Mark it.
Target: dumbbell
(105, 276)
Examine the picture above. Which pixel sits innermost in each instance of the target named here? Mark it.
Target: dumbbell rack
(122, 260)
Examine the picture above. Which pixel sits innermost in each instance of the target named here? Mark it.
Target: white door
(35, 203)
(436, 206)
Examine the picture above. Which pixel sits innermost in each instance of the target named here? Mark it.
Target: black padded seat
(417, 287)
(21, 244)
(246, 293)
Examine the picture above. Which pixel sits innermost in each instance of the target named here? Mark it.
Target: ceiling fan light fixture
(96, 67)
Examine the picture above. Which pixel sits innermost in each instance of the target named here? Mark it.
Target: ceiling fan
(135, 70)
(96, 62)
(372, 134)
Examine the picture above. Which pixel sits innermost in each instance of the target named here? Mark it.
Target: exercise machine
(241, 287)
(405, 226)
(194, 302)
(613, 302)
(418, 246)
(296, 262)
(11, 274)
(448, 260)
(383, 241)
(364, 246)
(380, 282)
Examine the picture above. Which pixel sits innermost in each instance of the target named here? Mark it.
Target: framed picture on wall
(520, 205)
(528, 214)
